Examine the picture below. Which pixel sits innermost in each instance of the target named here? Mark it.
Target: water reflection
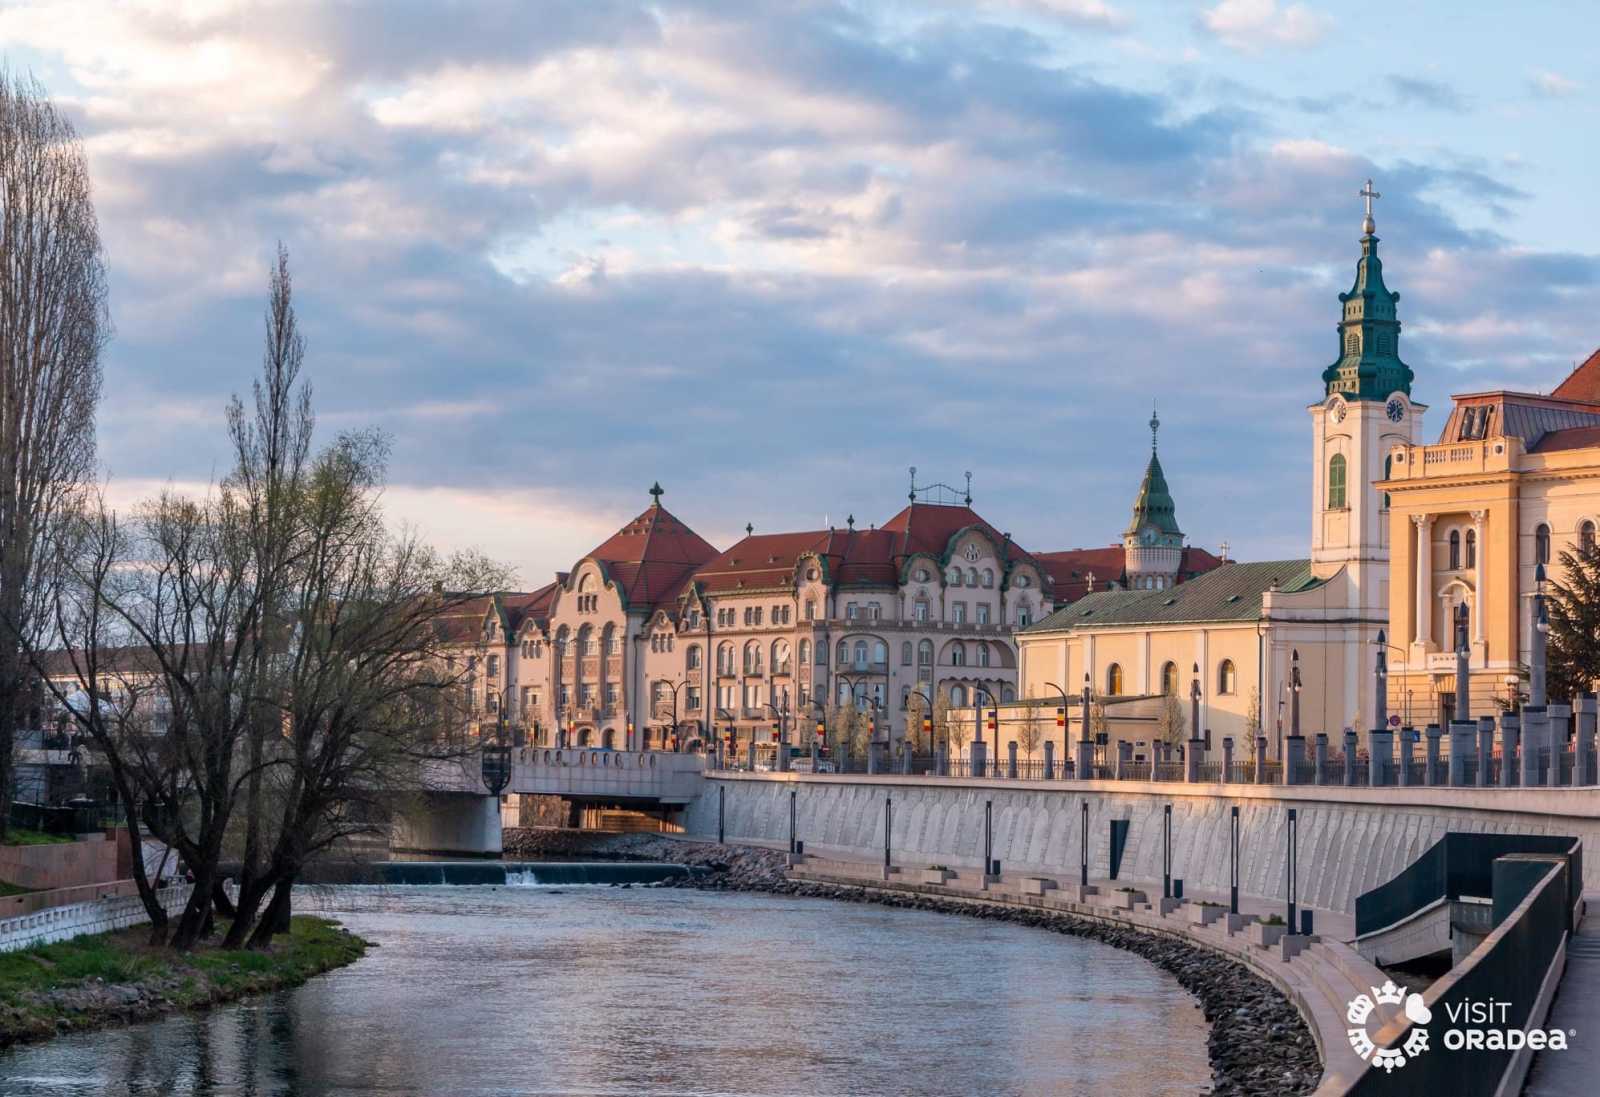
(599, 991)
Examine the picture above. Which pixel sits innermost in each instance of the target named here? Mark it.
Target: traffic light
(1061, 717)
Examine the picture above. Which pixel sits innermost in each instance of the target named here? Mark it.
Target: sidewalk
(1576, 1009)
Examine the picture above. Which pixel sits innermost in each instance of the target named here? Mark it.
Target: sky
(773, 254)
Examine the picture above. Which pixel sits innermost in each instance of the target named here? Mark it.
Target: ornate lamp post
(1380, 674)
(1194, 706)
(1061, 722)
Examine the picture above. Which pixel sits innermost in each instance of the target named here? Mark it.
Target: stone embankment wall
(92, 859)
(77, 919)
(1350, 839)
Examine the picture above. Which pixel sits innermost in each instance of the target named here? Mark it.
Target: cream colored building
(1236, 630)
(1513, 479)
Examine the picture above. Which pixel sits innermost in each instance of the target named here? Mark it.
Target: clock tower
(1366, 410)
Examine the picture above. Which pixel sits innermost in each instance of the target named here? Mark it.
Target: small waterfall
(527, 873)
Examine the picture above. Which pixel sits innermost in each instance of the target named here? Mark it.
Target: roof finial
(851, 521)
(969, 489)
(749, 529)
(913, 495)
(1155, 426)
(656, 493)
(1368, 226)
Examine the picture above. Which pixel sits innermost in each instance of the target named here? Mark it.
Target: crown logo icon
(1359, 1009)
(1389, 994)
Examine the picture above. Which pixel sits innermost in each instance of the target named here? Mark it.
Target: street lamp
(1380, 674)
(1294, 691)
(495, 764)
(1194, 708)
(978, 714)
(1541, 630)
(1061, 721)
(927, 726)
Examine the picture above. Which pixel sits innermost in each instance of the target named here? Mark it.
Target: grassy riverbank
(117, 978)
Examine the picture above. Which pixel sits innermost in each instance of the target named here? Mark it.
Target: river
(662, 993)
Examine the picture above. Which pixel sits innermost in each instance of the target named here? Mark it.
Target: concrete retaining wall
(92, 859)
(449, 822)
(78, 919)
(1350, 839)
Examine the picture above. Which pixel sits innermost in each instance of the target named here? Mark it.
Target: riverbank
(115, 979)
(1259, 1044)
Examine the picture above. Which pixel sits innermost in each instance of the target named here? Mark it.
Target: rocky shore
(1259, 1044)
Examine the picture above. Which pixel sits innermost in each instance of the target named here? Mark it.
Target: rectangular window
(527, 698)
(851, 610)
(758, 615)
(691, 698)
(983, 613)
(958, 612)
(922, 611)
(811, 611)
(494, 666)
(566, 696)
(873, 611)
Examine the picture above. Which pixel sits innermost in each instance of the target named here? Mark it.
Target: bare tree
(1170, 719)
(53, 324)
(1030, 734)
(946, 727)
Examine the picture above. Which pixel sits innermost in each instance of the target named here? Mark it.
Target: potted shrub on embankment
(1267, 932)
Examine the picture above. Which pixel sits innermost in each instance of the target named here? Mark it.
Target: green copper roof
(1369, 365)
(1153, 505)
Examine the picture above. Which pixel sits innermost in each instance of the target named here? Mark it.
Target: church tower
(1366, 410)
(1153, 544)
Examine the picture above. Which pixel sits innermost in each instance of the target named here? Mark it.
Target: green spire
(1369, 365)
(1153, 508)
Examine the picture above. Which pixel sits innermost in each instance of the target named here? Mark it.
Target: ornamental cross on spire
(1369, 194)
(1155, 426)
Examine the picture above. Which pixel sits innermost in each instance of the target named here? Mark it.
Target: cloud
(1255, 25)
(1552, 85)
(1432, 94)
(768, 257)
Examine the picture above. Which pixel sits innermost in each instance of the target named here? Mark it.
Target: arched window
(958, 655)
(958, 696)
(752, 658)
(692, 659)
(844, 653)
(725, 659)
(925, 653)
(1336, 499)
(905, 654)
(1586, 536)
(1455, 550)
(1169, 679)
(988, 577)
(1472, 548)
(880, 652)
(1541, 544)
(780, 657)
(805, 652)
(1388, 469)
(1114, 680)
(954, 578)
(983, 655)
(1227, 678)
(972, 577)
(1007, 694)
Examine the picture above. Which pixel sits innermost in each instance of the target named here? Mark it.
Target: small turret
(1153, 543)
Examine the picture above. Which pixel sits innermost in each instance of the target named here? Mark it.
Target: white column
(1424, 577)
(1479, 550)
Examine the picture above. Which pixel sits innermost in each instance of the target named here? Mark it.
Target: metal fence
(1168, 771)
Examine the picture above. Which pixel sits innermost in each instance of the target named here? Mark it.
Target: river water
(639, 991)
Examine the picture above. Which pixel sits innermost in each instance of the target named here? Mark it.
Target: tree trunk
(276, 918)
(219, 899)
(251, 892)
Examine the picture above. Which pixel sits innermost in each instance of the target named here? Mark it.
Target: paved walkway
(1576, 1009)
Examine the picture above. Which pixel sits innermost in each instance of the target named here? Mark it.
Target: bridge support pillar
(1011, 759)
(1227, 758)
(1191, 760)
(1380, 748)
(1431, 769)
(1083, 759)
(1583, 771)
(1321, 758)
(1485, 749)
(1049, 760)
(978, 759)
(1510, 748)
(1349, 758)
(1124, 758)
(1294, 757)
(1261, 759)
(1408, 737)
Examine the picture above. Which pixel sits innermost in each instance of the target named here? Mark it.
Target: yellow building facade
(1513, 479)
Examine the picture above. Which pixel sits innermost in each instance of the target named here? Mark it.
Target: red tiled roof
(1583, 384)
(854, 557)
(1571, 438)
(1071, 569)
(520, 608)
(652, 556)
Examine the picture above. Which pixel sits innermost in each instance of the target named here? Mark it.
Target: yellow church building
(1513, 479)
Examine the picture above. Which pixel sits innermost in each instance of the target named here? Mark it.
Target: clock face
(1396, 410)
(1338, 412)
